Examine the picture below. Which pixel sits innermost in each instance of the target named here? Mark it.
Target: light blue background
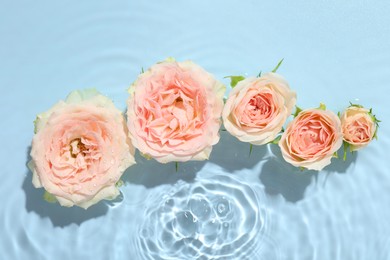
(334, 52)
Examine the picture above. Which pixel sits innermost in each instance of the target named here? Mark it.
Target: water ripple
(219, 217)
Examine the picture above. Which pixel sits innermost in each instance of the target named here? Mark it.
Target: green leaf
(297, 111)
(146, 156)
(259, 75)
(346, 146)
(119, 183)
(170, 59)
(376, 121)
(177, 166)
(35, 125)
(250, 149)
(234, 80)
(354, 105)
(276, 140)
(277, 66)
(142, 70)
(335, 155)
(322, 106)
(77, 96)
(49, 197)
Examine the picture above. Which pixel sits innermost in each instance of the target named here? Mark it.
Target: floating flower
(359, 126)
(80, 149)
(174, 112)
(257, 108)
(312, 138)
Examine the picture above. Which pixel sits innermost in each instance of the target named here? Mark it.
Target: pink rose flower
(174, 112)
(311, 139)
(257, 108)
(80, 149)
(359, 127)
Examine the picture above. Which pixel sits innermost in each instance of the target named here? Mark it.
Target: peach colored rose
(257, 108)
(80, 149)
(174, 111)
(358, 127)
(311, 139)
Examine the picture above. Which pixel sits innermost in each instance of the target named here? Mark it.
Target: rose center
(260, 103)
(77, 147)
(311, 137)
(358, 131)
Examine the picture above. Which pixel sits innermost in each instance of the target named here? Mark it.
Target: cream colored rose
(257, 108)
(311, 139)
(80, 149)
(358, 127)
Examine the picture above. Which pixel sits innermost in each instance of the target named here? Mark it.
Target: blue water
(234, 206)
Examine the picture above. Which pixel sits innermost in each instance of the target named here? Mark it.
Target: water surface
(234, 206)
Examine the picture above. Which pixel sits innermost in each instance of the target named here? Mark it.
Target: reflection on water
(218, 217)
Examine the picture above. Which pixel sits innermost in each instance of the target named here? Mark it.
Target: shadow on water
(229, 153)
(339, 165)
(279, 177)
(59, 216)
(232, 154)
(151, 173)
